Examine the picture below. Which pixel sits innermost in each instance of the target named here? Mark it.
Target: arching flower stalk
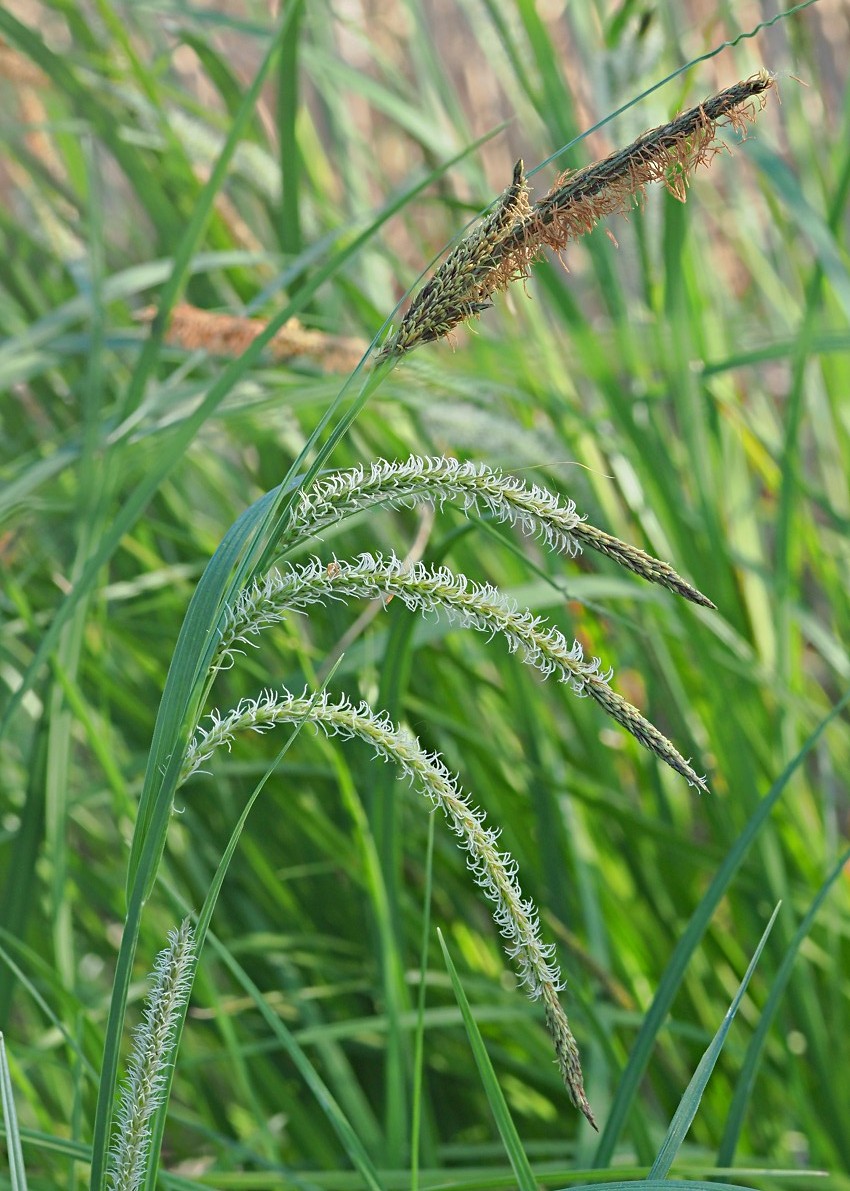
(471, 605)
(504, 245)
(475, 487)
(494, 870)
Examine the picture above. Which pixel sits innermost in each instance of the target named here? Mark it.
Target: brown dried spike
(667, 154)
(502, 248)
(458, 289)
(18, 69)
(230, 335)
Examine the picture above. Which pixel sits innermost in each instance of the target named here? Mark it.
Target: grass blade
(688, 942)
(690, 1101)
(495, 1097)
(17, 1173)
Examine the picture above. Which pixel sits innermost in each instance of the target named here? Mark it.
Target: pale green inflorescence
(493, 869)
(434, 480)
(472, 605)
(474, 486)
(147, 1070)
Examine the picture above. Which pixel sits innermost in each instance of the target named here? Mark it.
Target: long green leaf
(495, 1097)
(746, 1079)
(689, 941)
(690, 1101)
(17, 1173)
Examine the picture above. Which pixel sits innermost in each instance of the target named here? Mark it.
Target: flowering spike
(458, 289)
(494, 870)
(492, 256)
(472, 605)
(146, 1072)
(475, 487)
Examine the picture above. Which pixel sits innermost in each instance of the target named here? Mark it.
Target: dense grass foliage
(684, 382)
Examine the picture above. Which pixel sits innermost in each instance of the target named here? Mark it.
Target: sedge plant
(498, 250)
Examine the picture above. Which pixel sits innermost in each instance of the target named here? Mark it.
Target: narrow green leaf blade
(689, 1103)
(495, 1096)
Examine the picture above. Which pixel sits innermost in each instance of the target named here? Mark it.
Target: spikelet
(147, 1074)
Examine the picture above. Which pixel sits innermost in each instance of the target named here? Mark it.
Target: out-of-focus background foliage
(688, 387)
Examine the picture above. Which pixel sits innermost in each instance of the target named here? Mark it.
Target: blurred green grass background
(688, 388)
